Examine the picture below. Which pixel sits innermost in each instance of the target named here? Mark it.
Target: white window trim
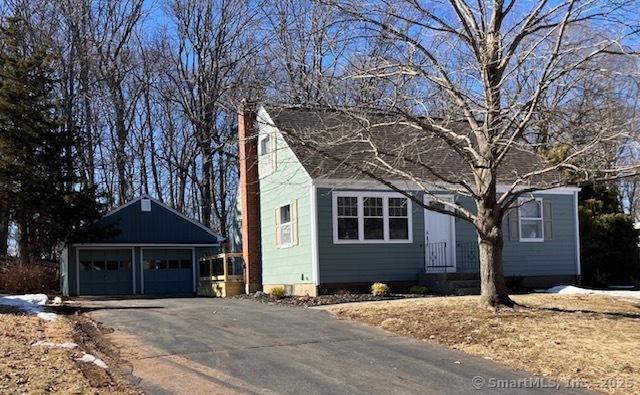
(385, 203)
(266, 166)
(540, 239)
(290, 223)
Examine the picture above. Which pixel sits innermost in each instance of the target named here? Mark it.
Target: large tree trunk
(121, 143)
(493, 289)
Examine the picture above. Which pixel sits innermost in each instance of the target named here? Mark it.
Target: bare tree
(304, 45)
(114, 25)
(496, 63)
(214, 42)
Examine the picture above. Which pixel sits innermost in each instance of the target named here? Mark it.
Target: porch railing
(467, 257)
(438, 256)
(221, 275)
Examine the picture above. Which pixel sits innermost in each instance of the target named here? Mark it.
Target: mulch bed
(309, 301)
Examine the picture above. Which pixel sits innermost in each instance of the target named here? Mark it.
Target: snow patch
(31, 304)
(68, 345)
(92, 359)
(573, 290)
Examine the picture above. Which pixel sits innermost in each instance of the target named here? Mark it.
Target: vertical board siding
(287, 183)
(367, 262)
(159, 225)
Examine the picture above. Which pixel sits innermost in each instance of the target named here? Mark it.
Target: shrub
(418, 290)
(380, 289)
(278, 292)
(343, 292)
(28, 278)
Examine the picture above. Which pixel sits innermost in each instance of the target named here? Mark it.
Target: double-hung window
(347, 221)
(398, 219)
(286, 225)
(371, 217)
(531, 220)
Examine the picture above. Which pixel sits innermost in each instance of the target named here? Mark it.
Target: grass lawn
(25, 368)
(595, 339)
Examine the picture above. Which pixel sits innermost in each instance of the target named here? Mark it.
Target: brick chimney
(249, 196)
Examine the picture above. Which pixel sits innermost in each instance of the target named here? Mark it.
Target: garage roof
(146, 220)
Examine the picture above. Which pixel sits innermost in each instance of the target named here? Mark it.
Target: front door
(439, 239)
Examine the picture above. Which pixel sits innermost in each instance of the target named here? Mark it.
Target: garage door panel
(105, 272)
(168, 271)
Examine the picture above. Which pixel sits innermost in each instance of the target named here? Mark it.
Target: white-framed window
(287, 225)
(398, 218)
(266, 154)
(531, 221)
(371, 217)
(265, 144)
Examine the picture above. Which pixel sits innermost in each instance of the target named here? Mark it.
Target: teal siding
(289, 182)
(403, 262)
(551, 257)
(132, 225)
(367, 262)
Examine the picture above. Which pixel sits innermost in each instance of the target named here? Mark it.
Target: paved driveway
(239, 346)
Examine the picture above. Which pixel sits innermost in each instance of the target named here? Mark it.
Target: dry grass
(591, 338)
(37, 370)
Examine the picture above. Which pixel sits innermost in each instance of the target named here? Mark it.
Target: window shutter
(514, 224)
(278, 242)
(294, 222)
(548, 219)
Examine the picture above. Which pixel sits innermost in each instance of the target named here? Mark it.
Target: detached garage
(151, 249)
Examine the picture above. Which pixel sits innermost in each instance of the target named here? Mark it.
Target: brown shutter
(278, 227)
(294, 222)
(514, 224)
(547, 214)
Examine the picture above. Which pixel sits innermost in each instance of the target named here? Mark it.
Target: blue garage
(148, 249)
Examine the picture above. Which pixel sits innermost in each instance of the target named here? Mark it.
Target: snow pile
(92, 359)
(572, 290)
(68, 345)
(31, 304)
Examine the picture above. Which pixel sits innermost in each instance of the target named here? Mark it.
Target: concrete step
(467, 291)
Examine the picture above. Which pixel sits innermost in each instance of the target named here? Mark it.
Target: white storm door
(439, 238)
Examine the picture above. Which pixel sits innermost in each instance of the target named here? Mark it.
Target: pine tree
(35, 174)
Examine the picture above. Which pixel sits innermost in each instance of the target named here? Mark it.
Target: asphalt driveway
(201, 345)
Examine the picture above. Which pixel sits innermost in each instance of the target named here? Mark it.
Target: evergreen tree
(609, 241)
(36, 177)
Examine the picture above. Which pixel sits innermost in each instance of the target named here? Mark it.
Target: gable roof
(408, 149)
(163, 224)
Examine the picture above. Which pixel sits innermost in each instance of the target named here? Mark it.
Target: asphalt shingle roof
(330, 144)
